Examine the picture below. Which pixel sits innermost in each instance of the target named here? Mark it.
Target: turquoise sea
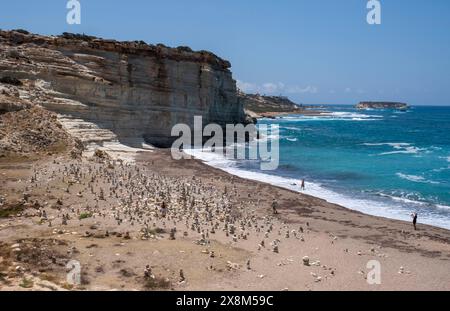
(381, 162)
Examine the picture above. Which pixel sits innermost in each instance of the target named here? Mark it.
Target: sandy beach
(218, 232)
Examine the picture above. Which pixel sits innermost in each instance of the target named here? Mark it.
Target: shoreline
(366, 206)
(306, 194)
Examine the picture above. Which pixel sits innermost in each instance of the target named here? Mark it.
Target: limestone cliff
(134, 91)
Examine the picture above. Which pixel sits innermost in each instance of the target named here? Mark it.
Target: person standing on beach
(414, 216)
(303, 185)
(274, 206)
(163, 209)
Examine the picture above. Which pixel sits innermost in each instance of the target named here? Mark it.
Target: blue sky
(314, 51)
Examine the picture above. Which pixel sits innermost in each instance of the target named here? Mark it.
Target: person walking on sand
(303, 185)
(414, 216)
(274, 206)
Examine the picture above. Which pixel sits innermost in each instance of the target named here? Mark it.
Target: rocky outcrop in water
(382, 105)
(132, 91)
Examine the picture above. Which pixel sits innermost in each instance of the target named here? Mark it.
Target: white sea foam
(291, 128)
(415, 178)
(383, 209)
(334, 116)
(399, 148)
(269, 138)
(362, 119)
(403, 200)
(342, 114)
(394, 145)
(445, 207)
(441, 169)
(407, 150)
(445, 158)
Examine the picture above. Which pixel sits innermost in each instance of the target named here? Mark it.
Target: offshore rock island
(82, 179)
(382, 105)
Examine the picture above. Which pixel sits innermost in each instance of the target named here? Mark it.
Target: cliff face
(135, 90)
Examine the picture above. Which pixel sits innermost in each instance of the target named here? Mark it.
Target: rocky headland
(260, 106)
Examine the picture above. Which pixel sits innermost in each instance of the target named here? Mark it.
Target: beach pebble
(306, 261)
(315, 263)
(233, 266)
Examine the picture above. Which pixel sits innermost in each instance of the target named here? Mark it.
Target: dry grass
(157, 283)
(11, 210)
(84, 216)
(26, 283)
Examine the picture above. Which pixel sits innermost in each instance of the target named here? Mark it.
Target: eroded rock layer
(135, 90)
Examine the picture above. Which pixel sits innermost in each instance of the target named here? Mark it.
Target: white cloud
(302, 90)
(348, 90)
(272, 88)
(246, 87)
(275, 88)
